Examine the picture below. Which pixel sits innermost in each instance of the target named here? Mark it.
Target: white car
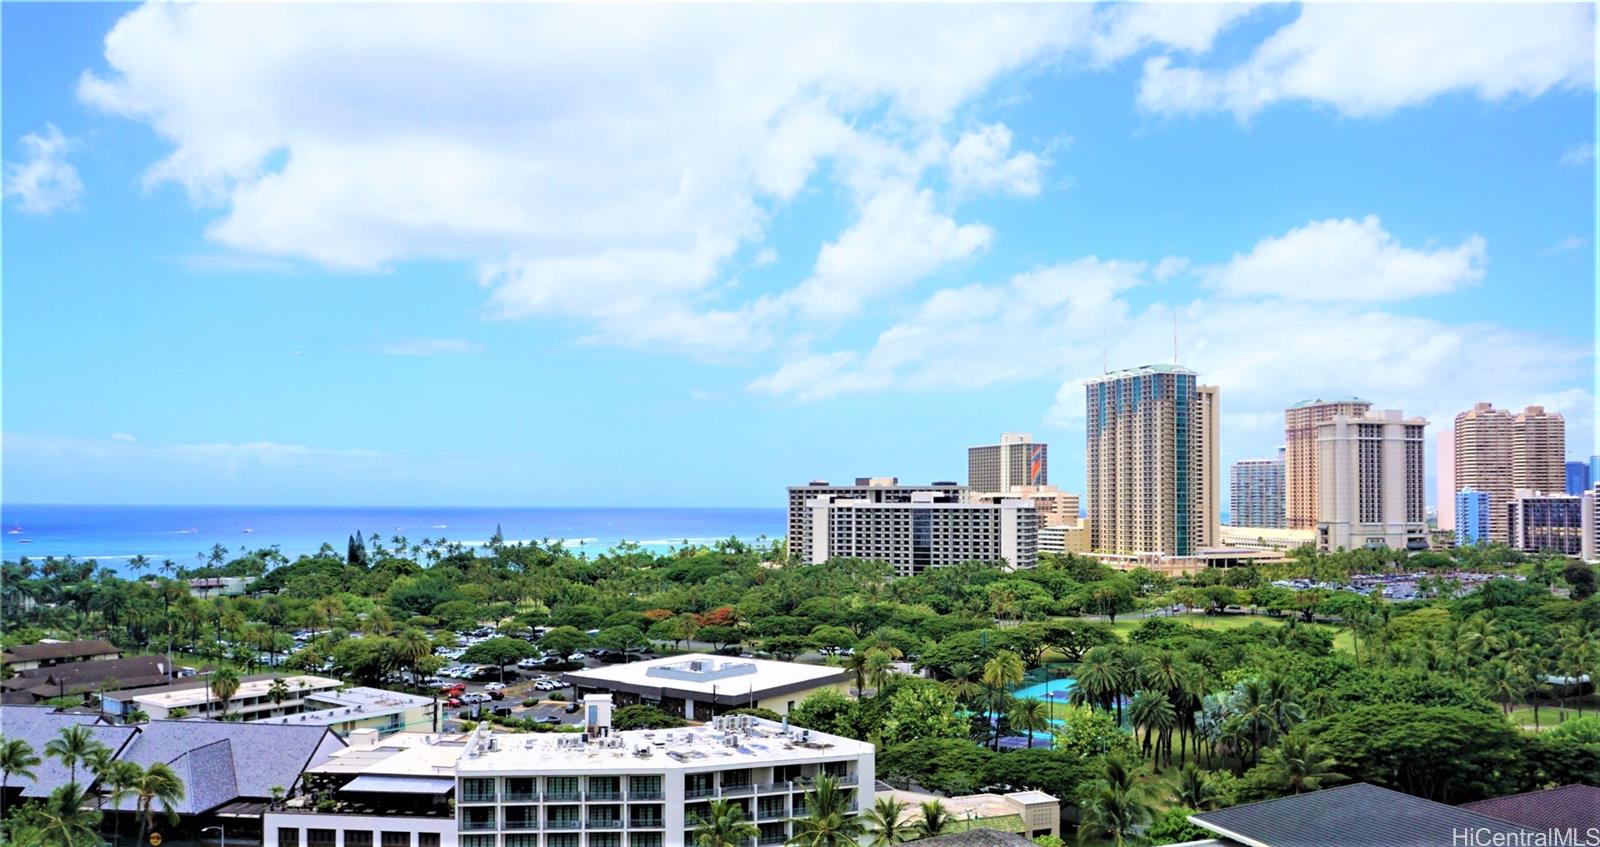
(495, 686)
(474, 698)
(575, 657)
(529, 662)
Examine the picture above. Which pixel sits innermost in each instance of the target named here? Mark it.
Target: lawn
(1549, 715)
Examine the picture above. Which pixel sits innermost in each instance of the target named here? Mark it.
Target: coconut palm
(16, 759)
(1099, 679)
(1003, 670)
(1194, 789)
(73, 745)
(1114, 806)
(158, 783)
(278, 691)
(1152, 711)
(120, 782)
(878, 666)
(224, 683)
(1251, 703)
(886, 822)
(935, 820)
(962, 682)
(828, 821)
(1298, 765)
(723, 825)
(1030, 715)
(65, 818)
(856, 663)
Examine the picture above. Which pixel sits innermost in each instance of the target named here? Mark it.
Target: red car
(454, 689)
(453, 702)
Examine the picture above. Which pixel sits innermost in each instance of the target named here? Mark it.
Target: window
(605, 788)
(477, 790)
(477, 841)
(644, 839)
(288, 836)
(605, 839)
(644, 816)
(522, 841)
(393, 839)
(477, 817)
(561, 788)
(521, 789)
(427, 839)
(319, 838)
(644, 788)
(358, 838)
(561, 839)
(522, 817)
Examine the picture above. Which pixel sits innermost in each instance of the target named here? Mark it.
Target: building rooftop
(976, 838)
(703, 676)
(1328, 401)
(1351, 814)
(414, 754)
(757, 742)
(1142, 370)
(46, 651)
(352, 704)
(1569, 807)
(192, 694)
(38, 725)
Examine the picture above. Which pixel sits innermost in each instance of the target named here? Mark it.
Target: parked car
(550, 719)
(575, 657)
(474, 697)
(495, 686)
(502, 711)
(454, 702)
(497, 694)
(573, 708)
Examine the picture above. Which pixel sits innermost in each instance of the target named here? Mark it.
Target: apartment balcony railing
(774, 787)
(605, 823)
(699, 793)
(522, 796)
(519, 825)
(563, 796)
(635, 796)
(564, 824)
(478, 797)
(770, 840)
(472, 825)
(646, 823)
(612, 794)
(768, 813)
(737, 790)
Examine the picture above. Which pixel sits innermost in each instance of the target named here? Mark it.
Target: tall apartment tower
(1371, 489)
(1153, 462)
(1539, 451)
(1444, 480)
(1017, 460)
(1300, 479)
(1483, 461)
(1256, 492)
(1577, 477)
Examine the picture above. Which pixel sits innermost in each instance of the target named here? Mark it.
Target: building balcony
(737, 790)
(611, 795)
(564, 824)
(771, 840)
(638, 796)
(478, 798)
(646, 823)
(563, 796)
(772, 814)
(522, 797)
(605, 823)
(699, 793)
(775, 787)
(477, 826)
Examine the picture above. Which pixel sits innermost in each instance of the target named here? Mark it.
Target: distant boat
(248, 529)
(16, 530)
(26, 541)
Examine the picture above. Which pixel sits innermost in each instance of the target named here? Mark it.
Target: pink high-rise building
(1444, 484)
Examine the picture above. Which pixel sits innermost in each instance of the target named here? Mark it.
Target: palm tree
(1194, 789)
(1115, 805)
(65, 819)
(961, 683)
(120, 783)
(723, 826)
(828, 822)
(278, 691)
(224, 683)
(1000, 673)
(1502, 683)
(73, 745)
(879, 663)
(886, 822)
(1100, 678)
(157, 783)
(935, 820)
(856, 663)
(1298, 765)
(1030, 714)
(411, 647)
(1252, 704)
(16, 759)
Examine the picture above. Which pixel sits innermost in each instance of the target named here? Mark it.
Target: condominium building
(928, 531)
(1483, 460)
(1371, 492)
(1539, 450)
(1153, 481)
(1256, 495)
(1064, 539)
(1016, 461)
(302, 700)
(1472, 516)
(1590, 549)
(876, 489)
(1266, 537)
(1577, 477)
(1055, 507)
(1545, 523)
(1300, 478)
(1444, 481)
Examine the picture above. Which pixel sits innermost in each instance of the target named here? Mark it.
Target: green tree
(224, 683)
(66, 820)
(643, 716)
(625, 638)
(16, 759)
(498, 651)
(1172, 827)
(1115, 805)
(828, 821)
(933, 820)
(1298, 765)
(563, 641)
(886, 822)
(723, 825)
(158, 783)
(120, 784)
(923, 710)
(72, 745)
(1030, 715)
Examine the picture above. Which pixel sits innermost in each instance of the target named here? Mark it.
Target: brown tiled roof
(59, 650)
(79, 677)
(1574, 807)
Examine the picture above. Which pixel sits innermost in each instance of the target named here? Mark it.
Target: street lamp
(222, 834)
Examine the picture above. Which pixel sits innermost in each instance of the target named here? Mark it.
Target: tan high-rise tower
(1300, 479)
(1152, 461)
(1484, 462)
(1539, 451)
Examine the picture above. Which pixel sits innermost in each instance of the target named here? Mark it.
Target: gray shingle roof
(257, 756)
(1352, 816)
(1575, 807)
(976, 838)
(38, 725)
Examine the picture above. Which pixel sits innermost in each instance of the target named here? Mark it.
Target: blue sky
(689, 255)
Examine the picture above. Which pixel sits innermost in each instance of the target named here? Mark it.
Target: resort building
(1256, 493)
(1153, 483)
(1371, 493)
(48, 654)
(302, 700)
(1054, 506)
(598, 788)
(73, 679)
(1545, 523)
(1472, 516)
(877, 489)
(1064, 539)
(1577, 477)
(1300, 478)
(1444, 481)
(1016, 461)
(1590, 549)
(930, 530)
(698, 686)
(1539, 450)
(1267, 537)
(1032, 814)
(1483, 460)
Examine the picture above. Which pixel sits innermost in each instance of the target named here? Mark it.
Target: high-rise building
(1055, 507)
(876, 489)
(1483, 460)
(1590, 550)
(1577, 477)
(1017, 460)
(1372, 491)
(1256, 493)
(1545, 523)
(1444, 481)
(1152, 461)
(1472, 516)
(1300, 477)
(928, 531)
(1539, 450)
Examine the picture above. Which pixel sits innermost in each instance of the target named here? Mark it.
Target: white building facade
(1371, 488)
(929, 531)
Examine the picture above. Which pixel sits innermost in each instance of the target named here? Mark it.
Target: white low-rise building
(699, 686)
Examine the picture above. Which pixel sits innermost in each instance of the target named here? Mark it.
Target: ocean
(114, 534)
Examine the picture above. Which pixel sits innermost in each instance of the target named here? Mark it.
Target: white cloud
(1581, 154)
(44, 181)
(123, 437)
(1345, 259)
(1127, 28)
(431, 347)
(1367, 59)
(982, 161)
(1570, 243)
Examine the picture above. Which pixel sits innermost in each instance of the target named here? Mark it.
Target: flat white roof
(705, 674)
(332, 707)
(700, 748)
(401, 754)
(200, 695)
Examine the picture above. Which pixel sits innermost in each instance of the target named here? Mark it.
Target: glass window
(288, 836)
(358, 838)
(644, 839)
(427, 839)
(522, 841)
(395, 839)
(605, 839)
(521, 788)
(477, 790)
(561, 788)
(644, 787)
(319, 838)
(477, 817)
(477, 841)
(561, 839)
(522, 817)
